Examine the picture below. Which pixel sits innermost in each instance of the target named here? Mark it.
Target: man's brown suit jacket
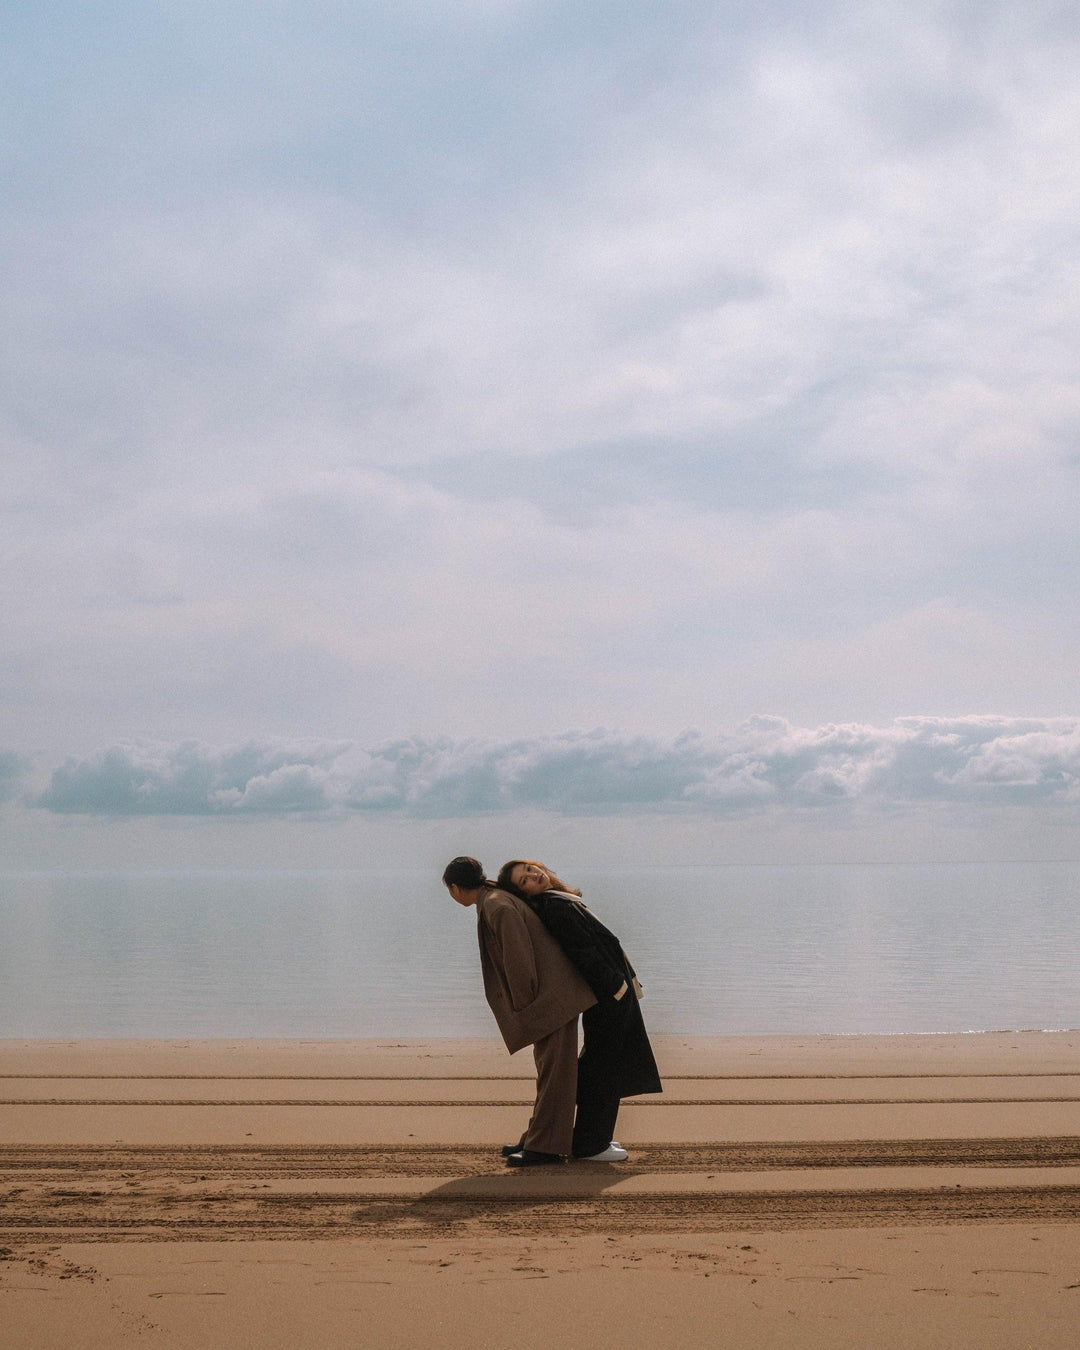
(531, 986)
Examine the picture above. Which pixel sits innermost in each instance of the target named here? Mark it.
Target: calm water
(720, 950)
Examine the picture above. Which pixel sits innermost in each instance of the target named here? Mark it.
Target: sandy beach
(810, 1191)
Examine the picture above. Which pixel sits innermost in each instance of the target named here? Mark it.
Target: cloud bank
(12, 768)
(766, 762)
(192, 779)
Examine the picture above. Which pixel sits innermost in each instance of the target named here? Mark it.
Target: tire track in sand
(22, 1162)
(523, 1101)
(89, 1216)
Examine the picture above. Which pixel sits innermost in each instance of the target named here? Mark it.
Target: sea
(844, 949)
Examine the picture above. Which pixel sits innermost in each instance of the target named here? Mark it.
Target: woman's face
(530, 878)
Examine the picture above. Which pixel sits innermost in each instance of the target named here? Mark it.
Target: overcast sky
(443, 411)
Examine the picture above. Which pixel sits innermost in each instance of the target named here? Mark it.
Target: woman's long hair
(505, 884)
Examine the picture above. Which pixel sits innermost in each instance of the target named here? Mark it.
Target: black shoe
(507, 1149)
(527, 1157)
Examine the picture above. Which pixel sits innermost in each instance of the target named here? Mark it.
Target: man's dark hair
(466, 873)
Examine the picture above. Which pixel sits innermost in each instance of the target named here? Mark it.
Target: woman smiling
(617, 1060)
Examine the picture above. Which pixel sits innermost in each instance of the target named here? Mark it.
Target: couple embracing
(546, 959)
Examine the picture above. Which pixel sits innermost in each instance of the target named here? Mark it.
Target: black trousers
(616, 1061)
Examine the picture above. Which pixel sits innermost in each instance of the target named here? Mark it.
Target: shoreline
(203, 1038)
(950, 1047)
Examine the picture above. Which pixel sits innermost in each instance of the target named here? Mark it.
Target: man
(536, 995)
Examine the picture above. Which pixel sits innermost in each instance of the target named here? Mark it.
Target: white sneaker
(613, 1153)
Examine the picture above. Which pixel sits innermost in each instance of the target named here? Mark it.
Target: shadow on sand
(507, 1197)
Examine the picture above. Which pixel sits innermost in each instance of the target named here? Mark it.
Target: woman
(617, 1060)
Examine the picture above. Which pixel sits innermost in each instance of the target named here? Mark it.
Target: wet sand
(856, 1191)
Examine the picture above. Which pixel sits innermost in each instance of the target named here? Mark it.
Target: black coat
(617, 1052)
(594, 949)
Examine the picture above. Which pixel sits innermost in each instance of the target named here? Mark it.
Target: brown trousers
(551, 1127)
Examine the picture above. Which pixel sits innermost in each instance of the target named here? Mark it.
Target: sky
(638, 432)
